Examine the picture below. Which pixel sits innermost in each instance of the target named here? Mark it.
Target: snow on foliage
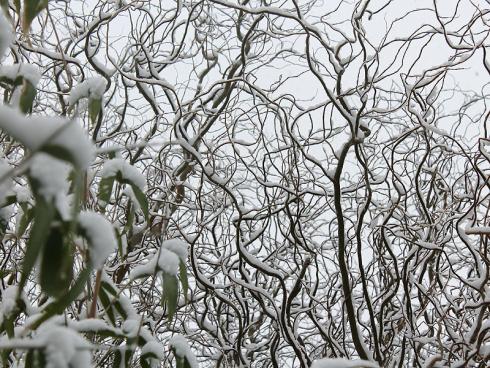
(93, 88)
(183, 350)
(46, 131)
(26, 71)
(128, 172)
(8, 302)
(51, 180)
(64, 348)
(177, 246)
(163, 260)
(50, 174)
(100, 234)
(155, 351)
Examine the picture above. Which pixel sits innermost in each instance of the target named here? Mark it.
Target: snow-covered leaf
(100, 235)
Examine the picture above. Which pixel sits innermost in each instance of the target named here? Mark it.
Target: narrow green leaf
(144, 363)
(117, 359)
(183, 279)
(129, 219)
(43, 215)
(119, 243)
(94, 109)
(8, 324)
(170, 293)
(59, 152)
(4, 222)
(141, 198)
(78, 179)
(127, 357)
(17, 6)
(105, 190)
(14, 82)
(5, 6)
(106, 304)
(58, 306)
(25, 220)
(180, 361)
(35, 359)
(56, 265)
(112, 291)
(109, 288)
(27, 97)
(31, 9)
(11, 199)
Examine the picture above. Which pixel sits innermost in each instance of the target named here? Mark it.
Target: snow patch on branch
(478, 230)
(92, 88)
(343, 363)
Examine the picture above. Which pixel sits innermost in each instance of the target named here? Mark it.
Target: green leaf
(35, 359)
(107, 305)
(5, 6)
(25, 220)
(183, 279)
(145, 359)
(31, 10)
(143, 362)
(141, 198)
(5, 272)
(127, 357)
(8, 324)
(112, 291)
(94, 109)
(27, 97)
(4, 222)
(13, 82)
(11, 199)
(59, 152)
(43, 215)
(170, 293)
(119, 243)
(59, 306)
(105, 190)
(56, 265)
(17, 6)
(117, 359)
(182, 362)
